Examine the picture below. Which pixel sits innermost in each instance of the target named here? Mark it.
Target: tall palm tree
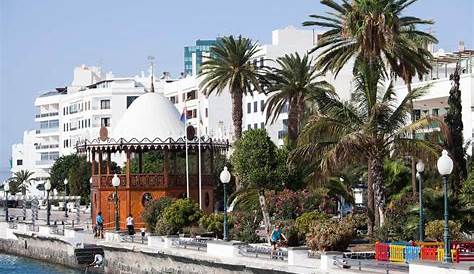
(342, 133)
(406, 69)
(230, 67)
(22, 180)
(371, 31)
(291, 83)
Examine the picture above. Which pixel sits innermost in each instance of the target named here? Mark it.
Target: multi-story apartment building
(194, 55)
(435, 101)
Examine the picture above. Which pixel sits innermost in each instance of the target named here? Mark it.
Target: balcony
(48, 130)
(52, 146)
(45, 162)
(49, 114)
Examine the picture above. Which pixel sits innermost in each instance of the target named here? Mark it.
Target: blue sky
(41, 41)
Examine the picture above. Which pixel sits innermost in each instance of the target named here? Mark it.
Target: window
(249, 127)
(284, 109)
(262, 125)
(105, 122)
(249, 107)
(19, 162)
(173, 99)
(191, 95)
(435, 112)
(261, 62)
(194, 113)
(130, 100)
(105, 104)
(262, 105)
(255, 126)
(207, 113)
(64, 111)
(255, 106)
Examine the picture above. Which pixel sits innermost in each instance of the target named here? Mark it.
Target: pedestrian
(130, 227)
(99, 222)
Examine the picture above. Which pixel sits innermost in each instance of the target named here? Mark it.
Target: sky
(42, 41)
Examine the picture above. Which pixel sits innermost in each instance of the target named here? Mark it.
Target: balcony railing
(47, 146)
(49, 114)
(44, 162)
(146, 180)
(47, 130)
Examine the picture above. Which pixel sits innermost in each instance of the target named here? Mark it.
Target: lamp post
(225, 179)
(445, 167)
(65, 194)
(6, 188)
(420, 167)
(116, 183)
(47, 187)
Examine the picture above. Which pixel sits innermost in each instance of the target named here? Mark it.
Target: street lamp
(420, 167)
(65, 194)
(116, 183)
(445, 167)
(6, 189)
(47, 187)
(225, 179)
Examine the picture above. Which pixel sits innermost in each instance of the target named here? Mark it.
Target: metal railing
(373, 266)
(49, 114)
(133, 239)
(58, 230)
(199, 244)
(265, 252)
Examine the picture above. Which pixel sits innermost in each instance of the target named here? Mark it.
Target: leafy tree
(255, 162)
(230, 67)
(215, 223)
(181, 213)
(435, 230)
(61, 169)
(153, 212)
(152, 162)
(454, 121)
(291, 84)
(79, 184)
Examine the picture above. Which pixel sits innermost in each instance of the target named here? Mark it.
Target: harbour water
(18, 265)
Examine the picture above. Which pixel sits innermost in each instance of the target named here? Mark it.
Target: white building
(435, 101)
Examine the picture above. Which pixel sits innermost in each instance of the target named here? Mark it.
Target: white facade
(435, 101)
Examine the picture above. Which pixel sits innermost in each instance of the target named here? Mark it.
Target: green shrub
(215, 223)
(290, 231)
(331, 235)
(153, 211)
(435, 230)
(305, 221)
(180, 214)
(193, 231)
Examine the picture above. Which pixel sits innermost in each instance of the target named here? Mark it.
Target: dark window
(207, 112)
(262, 125)
(191, 95)
(249, 107)
(261, 62)
(262, 105)
(19, 162)
(104, 104)
(105, 122)
(249, 127)
(130, 100)
(255, 106)
(255, 126)
(435, 112)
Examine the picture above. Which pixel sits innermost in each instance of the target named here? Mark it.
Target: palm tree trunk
(376, 168)
(301, 109)
(413, 160)
(370, 201)
(237, 113)
(266, 216)
(293, 120)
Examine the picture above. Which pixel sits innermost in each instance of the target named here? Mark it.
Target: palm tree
(341, 134)
(405, 68)
(22, 180)
(291, 83)
(230, 67)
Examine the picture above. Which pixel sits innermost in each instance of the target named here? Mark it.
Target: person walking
(130, 226)
(99, 222)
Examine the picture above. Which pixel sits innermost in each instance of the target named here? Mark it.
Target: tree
(21, 180)
(230, 67)
(454, 121)
(78, 172)
(291, 83)
(372, 31)
(153, 211)
(255, 163)
(344, 133)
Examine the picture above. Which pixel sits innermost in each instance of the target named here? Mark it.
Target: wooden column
(140, 161)
(93, 162)
(128, 177)
(109, 162)
(166, 165)
(100, 165)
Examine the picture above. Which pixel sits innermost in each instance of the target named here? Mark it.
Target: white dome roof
(150, 116)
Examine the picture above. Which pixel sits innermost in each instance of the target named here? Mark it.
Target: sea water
(20, 265)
